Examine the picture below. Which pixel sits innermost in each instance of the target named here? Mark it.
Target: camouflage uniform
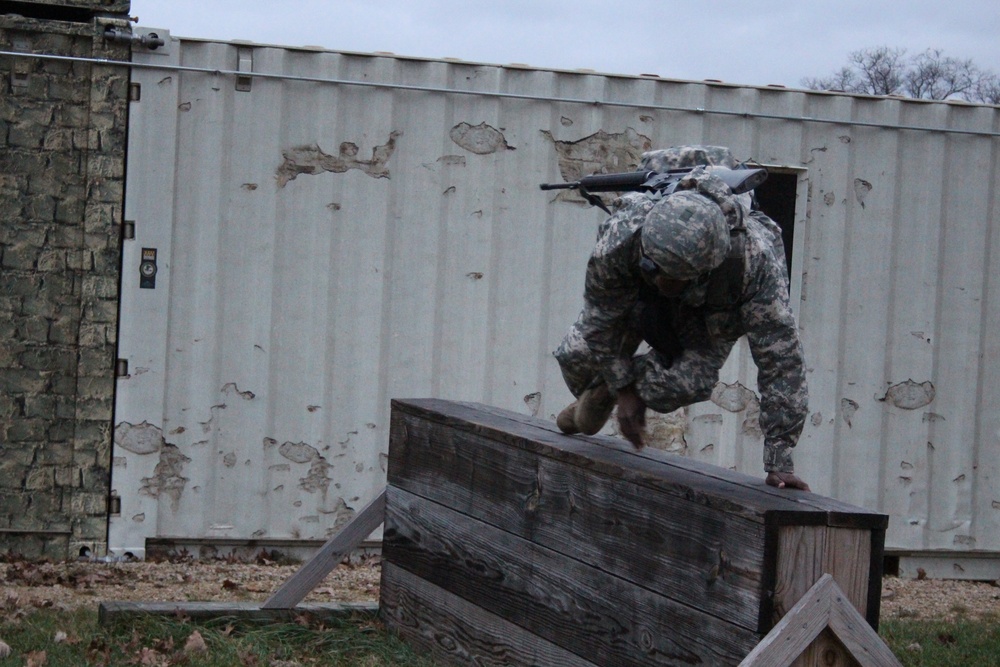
(739, 286)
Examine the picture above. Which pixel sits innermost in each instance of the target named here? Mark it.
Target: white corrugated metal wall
(326, 243)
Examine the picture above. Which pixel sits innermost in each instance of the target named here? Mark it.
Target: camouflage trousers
(664, 384)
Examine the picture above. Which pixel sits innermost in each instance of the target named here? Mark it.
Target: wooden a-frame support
(824, 606)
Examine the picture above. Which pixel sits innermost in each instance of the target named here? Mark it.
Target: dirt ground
(26, 585)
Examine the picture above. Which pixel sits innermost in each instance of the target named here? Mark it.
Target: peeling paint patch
(565, 122)
(751, 421)
(206, 426)
(312, 160)
(847, 410)
(245, 395)
(533, 401)
(140, 439)
(861, 190)
(249, 187)
(667, 431)
(600, 152)
(139, 518)
(475, 275)
(316, 479)
(342, 515)
(452, 160)
(932, 417)
(732, 397)
(167, 478)
(298, 452)
(480, 139)
(817, 418)
(229, 460)
(909, 395)
(312, 408)
(829, 199)
(333, 206)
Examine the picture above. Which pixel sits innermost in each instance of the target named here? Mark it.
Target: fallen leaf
(195, 644)
(36, 659)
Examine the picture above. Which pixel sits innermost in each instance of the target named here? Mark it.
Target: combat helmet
(686, 235)
(686, 157)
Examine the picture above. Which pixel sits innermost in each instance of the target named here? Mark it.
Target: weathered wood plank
(581, 608)
(745, 493)
(708, 559)
(457, 632)
(296, 587)
(111, 611)
(809, 553)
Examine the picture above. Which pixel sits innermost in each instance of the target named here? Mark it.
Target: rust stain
(480, 139)
(909, 395)
(312, 160)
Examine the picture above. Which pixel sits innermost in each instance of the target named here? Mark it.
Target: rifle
(740, 180)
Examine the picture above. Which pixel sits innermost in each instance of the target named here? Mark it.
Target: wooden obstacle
(508, 543)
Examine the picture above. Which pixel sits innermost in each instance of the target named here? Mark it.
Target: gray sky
(755, 42)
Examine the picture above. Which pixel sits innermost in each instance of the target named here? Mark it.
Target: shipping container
(318, 232)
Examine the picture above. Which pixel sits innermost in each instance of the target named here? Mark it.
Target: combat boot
(593, 409)
(566, 421)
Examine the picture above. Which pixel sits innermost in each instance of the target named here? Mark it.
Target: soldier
(688, 273)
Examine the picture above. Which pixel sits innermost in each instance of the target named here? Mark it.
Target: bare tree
(987, 90)
(932, 76)
(929, 75)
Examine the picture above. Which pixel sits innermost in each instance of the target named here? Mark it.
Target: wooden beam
(329, 556)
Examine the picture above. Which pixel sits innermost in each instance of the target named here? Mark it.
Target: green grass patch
(73, 639)
(937, 644)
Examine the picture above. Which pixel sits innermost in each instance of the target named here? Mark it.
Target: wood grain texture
(457, 632)
(579, 607)
(599, 551)
(807, 553)
(709, 559)
(744, 493)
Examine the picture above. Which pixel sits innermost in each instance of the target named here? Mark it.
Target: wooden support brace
(329, 556)
(824, 606)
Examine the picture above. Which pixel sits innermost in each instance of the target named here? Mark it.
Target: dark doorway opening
(776, 198)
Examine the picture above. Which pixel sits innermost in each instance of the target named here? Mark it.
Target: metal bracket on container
(244, 63)
(147, 40)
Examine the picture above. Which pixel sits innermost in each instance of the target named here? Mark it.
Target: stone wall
(63, 134)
